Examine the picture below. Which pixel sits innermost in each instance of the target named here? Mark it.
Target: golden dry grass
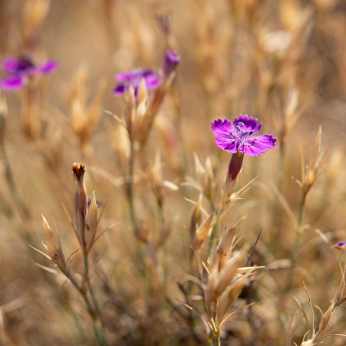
(173, 262)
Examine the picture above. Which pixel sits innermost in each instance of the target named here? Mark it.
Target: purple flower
(238, 137)
(20, 69)
(172, 60)
(134, 77)
(341, 245)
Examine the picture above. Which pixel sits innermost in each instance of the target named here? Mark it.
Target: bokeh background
(283, 62)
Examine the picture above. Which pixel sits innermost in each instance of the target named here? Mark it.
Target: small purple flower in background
(341, 245)
(152, 79)
(134, 77)
(238, 137)
(172, 60)
(20, 69)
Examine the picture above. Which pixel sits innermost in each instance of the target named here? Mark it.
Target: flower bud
(171, 62)
(234, 168)
(81, 201)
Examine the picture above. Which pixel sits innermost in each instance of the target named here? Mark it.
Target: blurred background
(283, 62)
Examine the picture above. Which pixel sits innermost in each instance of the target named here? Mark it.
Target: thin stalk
(22, 208)
(298, 234)
(129, 194)
(129, 188)
(85, 297)
(211, 338)
(297, 239)
(90, 310)
(96, 305)
(212, 235)
(276, 210)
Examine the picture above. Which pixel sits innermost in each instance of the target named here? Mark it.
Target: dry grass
(154, 239)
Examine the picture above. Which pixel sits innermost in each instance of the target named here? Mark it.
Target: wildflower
(172, 60)
(237, 137)
(20, 69)
(133, 78)
(341, 245)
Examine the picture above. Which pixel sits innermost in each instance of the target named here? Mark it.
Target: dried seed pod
(218, 281)
(196, 217)
(225, 246)
(35, 11)
(314, 168)
(84, 117)
(53, 247)
(229, 296)
(202, 233)
(206, 176)
(226, 242)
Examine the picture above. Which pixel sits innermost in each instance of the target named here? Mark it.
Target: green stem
(96, 305)
(22, 208)
(101, 341)
(276, 210)
(210, 338)
(130, 189)
(298, 233)
(85, 297)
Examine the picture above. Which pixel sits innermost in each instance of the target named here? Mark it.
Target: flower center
(240, 135)
(24, 64)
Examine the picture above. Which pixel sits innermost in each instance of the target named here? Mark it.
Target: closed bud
(171, 62)
(81, 201)
(234, 168)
